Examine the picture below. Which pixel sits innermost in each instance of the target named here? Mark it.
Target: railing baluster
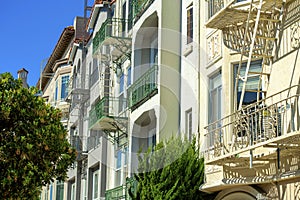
(259, 122)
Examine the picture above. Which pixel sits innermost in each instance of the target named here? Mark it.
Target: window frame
(189, 124)
(64, 86)
(73, 190)
(60, 187)
(118, 169)
(95, 188)
(218, 90)
(189, 24)
(253, 64)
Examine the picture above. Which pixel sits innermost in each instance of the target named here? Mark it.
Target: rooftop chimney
(22, 74)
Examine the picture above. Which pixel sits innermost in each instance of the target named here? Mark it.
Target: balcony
(79, 144)
(121, 192)
(225, 13)
(95, 9)
(269, 124)
(139, 7)
(112, 33)
(143, 88)
(93, 142)
(108, 114)
(76, 94)
(117, 193)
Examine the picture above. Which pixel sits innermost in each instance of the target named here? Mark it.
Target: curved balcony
(139, 7)
(108, 114)
(269, 124)
(113, 32)
(143, 88)
(121, 192)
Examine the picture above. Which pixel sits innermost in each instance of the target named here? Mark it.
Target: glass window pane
(215, 98)
(95, 184)
(64, 83)
(129, 76)
(122, 83)
(252, 82)
(59, 190)
(119, 159)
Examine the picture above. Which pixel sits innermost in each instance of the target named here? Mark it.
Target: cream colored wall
(169, 73)
(190, 71)
(285, 73)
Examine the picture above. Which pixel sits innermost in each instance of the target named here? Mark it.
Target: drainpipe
(199, 65)
(179, 84)
(81, 121)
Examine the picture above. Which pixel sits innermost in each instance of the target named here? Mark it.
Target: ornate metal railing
(122, 192)
(112, 27)
(215, 6)
(107, 107)
(93, 142)
(139, 7)
(79, 143)
(143, 88)
(254, 125)
(116, 193)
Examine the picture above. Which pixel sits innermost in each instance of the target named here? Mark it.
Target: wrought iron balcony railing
(107, 107)
(139, 7)
(93, 142)
(111, 28)
(122, 192)
(271, 120)
(215, 6)
(143, 88)
(79, 143)
(117, 193)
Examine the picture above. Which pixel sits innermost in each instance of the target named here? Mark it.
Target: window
(96, 185)
(152, 138)
(128, 76)
(250, 95)
(215, 103)
(123, 17)
(154, 52)
(121, 83)
(130, 14)
(46, 194)
(73, 191)
(51, 190)
(189, 24)
(189, 124)
(126, 155)
(118, 167)
(64, 85)
(59, 190)
(56, 91)
(94, 73)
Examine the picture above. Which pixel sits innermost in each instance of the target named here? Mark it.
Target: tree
(173, 171)
(33, 145)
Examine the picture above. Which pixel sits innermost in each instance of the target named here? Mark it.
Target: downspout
(179, 70)
(80, 124)
(199, 89)
(199, 66)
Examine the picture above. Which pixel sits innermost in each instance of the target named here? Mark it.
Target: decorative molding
(213, 46)
(295, 35)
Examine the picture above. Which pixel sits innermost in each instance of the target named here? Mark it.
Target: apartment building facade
(251, 89)
(118, 75)
(152, 69)
(53, 85)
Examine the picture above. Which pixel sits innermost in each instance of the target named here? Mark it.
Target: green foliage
(33, 145)
(173, 171)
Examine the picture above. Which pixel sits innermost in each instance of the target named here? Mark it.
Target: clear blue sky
(30, 30)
